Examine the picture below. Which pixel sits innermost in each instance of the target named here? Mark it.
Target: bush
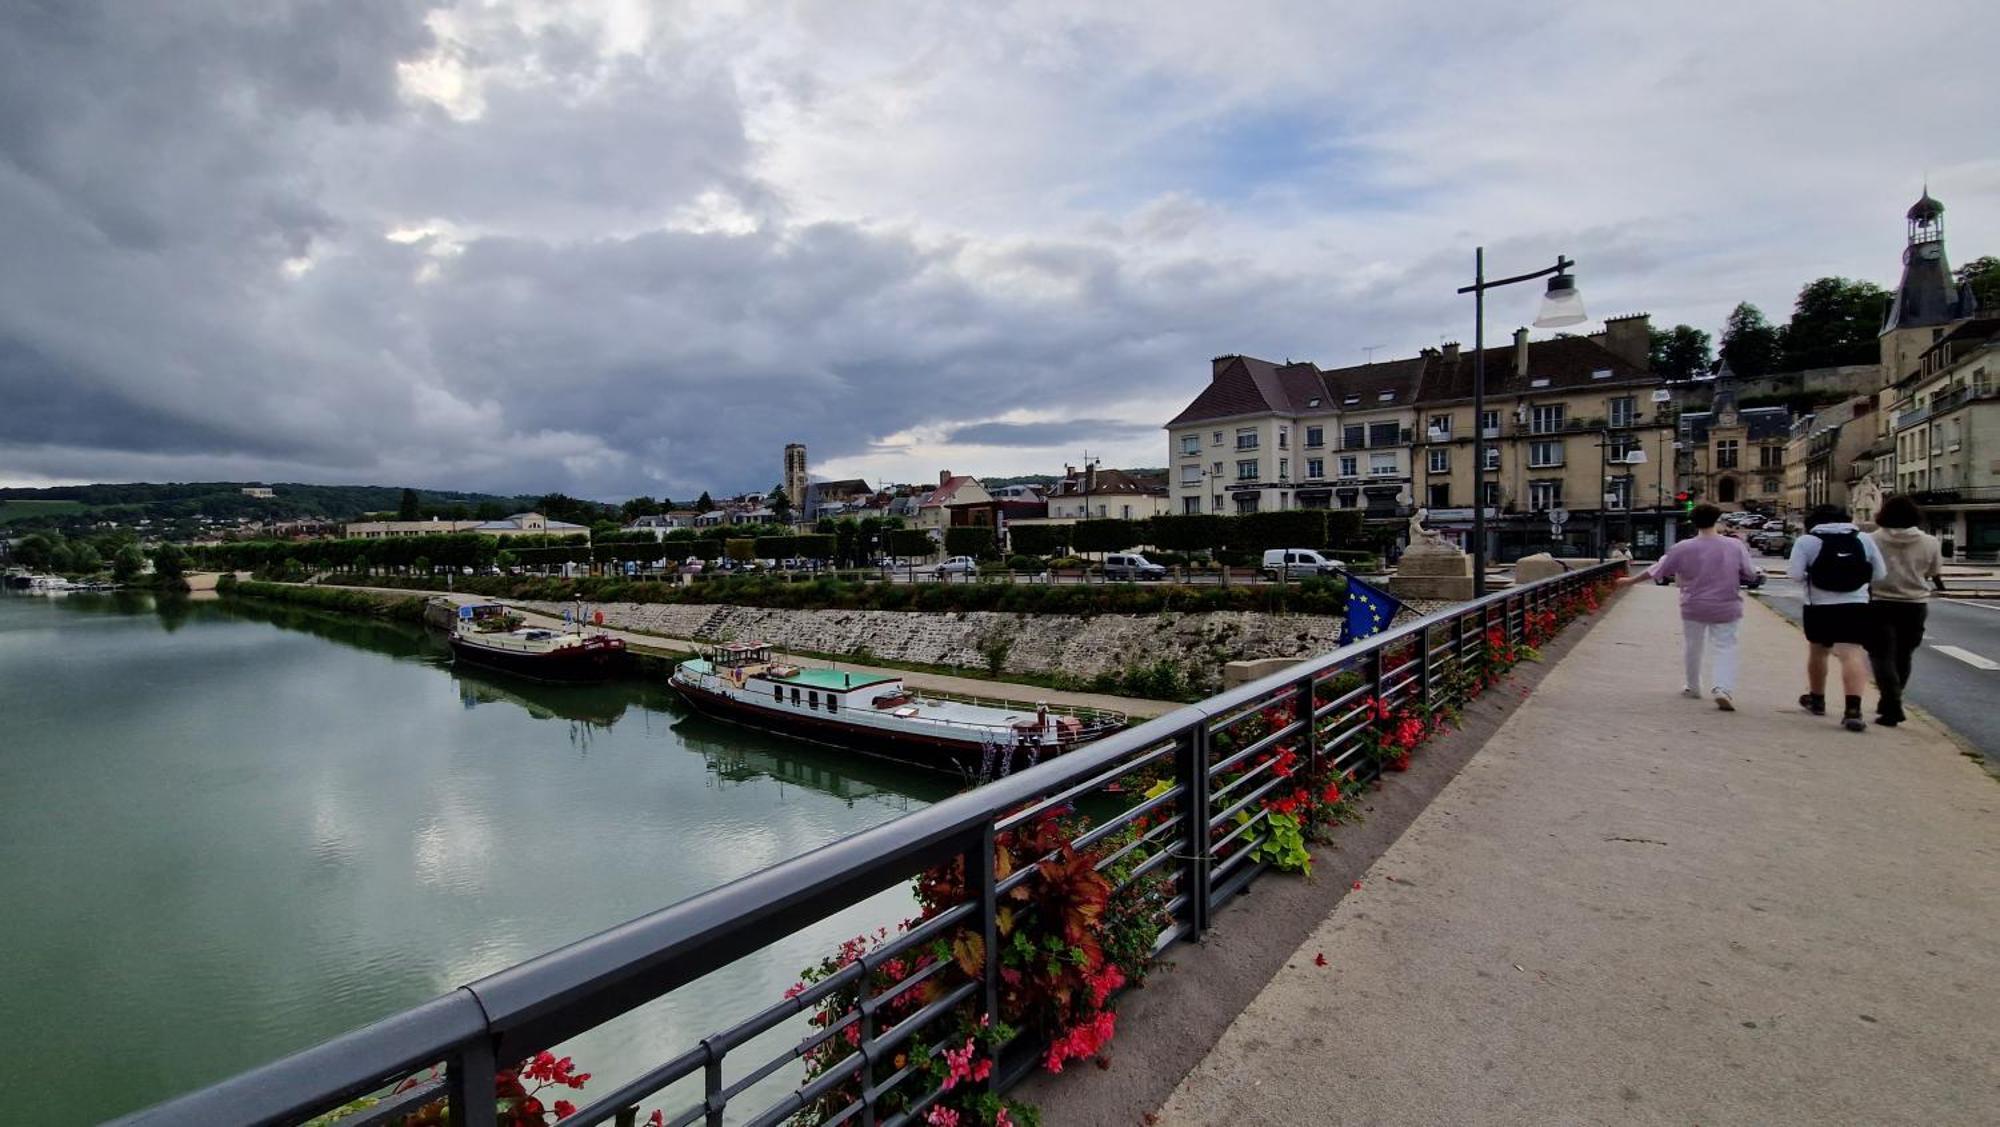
(968, 540)
(1039, 539)
(1024, 563)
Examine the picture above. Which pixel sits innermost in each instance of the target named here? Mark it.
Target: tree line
(1834, 321)
(843, 543)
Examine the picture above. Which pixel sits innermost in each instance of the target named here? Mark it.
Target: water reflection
(288, 837)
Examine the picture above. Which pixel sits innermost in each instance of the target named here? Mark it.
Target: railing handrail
(542, 1001)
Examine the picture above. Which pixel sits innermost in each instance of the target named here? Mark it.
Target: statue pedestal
(1433, 571)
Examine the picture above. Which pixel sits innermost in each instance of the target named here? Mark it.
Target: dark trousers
(1899, 630)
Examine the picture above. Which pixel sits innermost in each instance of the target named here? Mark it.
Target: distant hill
(63, 505)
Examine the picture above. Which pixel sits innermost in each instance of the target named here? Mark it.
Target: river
(232, 831)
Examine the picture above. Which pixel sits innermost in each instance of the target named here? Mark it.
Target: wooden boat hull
(595, 660)
(962, 758)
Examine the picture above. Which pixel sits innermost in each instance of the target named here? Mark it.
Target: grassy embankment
(391, 607)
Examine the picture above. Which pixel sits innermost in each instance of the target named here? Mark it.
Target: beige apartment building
(1946, 429)
(1263, 437)
(1573, 423)
(1577, 428)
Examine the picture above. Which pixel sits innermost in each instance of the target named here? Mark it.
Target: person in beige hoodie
(1900, 601)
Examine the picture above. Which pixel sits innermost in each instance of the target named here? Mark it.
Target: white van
(1132, 565)
(1298, 563)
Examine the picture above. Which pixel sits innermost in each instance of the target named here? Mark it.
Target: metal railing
(1195, 840)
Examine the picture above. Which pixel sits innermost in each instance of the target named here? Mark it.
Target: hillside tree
(1681, 353)
(1833, 321)
(1751, 344)
(409, 508)
(1983, 275)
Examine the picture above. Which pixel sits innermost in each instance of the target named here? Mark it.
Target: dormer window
(1601, 374)
(1350, 401)
(1313, 402)
(1385, 397)
(1542, 381)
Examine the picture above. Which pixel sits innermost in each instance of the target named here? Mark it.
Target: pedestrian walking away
(1712, 570)
(1900, 601)
(1836, 564)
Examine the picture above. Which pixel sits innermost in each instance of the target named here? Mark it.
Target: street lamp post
(1634, 457)
(1561, 306)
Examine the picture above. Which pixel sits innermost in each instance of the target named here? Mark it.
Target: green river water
(230, 831)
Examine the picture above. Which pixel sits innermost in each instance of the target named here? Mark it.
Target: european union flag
(1369, 611)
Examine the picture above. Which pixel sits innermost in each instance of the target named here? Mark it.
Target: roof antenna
(1370, 350)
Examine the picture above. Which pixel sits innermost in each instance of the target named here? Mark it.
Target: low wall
(1078, 646)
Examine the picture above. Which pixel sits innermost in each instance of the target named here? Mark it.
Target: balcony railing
(1200, 835)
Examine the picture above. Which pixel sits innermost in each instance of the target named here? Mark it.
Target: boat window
(795, 694)
(812, 700)
(832, 703)
(778, 693)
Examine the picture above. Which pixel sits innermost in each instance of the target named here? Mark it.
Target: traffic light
(1685, 500)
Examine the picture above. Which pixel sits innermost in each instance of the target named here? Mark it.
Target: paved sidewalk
(1632, 908)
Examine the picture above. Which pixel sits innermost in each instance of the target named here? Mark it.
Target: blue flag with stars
(1369, 611)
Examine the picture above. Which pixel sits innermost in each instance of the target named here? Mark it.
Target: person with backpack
(1900, 602)
(1835, 563)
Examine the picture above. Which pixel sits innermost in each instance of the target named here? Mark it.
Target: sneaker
(1852, 722)
(1691, 694)
(1723, 702)
(1813, 704)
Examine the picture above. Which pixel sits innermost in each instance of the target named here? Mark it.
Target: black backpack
(1842, 563)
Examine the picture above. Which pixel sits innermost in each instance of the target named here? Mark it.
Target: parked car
(1774, 526)
(958, 565)
(1298, 563)
(692, 566)
(1132, 565)
(1777, 543)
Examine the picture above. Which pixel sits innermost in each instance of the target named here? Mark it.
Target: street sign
(1558, 517)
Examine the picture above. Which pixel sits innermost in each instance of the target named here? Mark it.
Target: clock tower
(1927, 302)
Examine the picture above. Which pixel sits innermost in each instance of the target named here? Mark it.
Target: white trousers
(1720, 637)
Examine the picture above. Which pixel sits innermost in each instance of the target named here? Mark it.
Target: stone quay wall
(1078, 646)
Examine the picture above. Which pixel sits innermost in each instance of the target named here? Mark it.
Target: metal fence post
(1193, 770)
(1424, 666)
(989, 923)
(469, 1078)
(1304, 706)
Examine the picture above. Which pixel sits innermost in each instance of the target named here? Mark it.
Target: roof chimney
(1630, 338)
(944, 478)
(1521, 353)
(1451, 352)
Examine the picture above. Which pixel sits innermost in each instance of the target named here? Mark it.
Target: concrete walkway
(1137, 708)
(1632, 908)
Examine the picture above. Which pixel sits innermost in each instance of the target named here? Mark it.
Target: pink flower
(942, 1116)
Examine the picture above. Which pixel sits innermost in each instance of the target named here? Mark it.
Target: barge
(875, 714)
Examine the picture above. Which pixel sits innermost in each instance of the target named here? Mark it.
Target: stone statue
(1426, 539)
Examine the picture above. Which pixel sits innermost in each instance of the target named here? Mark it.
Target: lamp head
(1562, 305)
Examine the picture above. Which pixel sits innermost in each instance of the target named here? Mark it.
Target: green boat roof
(833, 679)
(837, 679)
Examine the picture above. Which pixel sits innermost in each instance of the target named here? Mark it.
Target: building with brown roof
(1568, 423)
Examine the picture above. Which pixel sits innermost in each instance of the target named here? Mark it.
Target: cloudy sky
(626, 247)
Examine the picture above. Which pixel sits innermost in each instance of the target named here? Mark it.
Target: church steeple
(1927, 295)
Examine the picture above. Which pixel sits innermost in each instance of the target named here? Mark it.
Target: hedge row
(1311, 596)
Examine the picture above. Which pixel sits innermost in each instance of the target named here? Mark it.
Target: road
(1950, 683)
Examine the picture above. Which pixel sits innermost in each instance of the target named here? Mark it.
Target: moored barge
(877, 715)
(488, 634)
